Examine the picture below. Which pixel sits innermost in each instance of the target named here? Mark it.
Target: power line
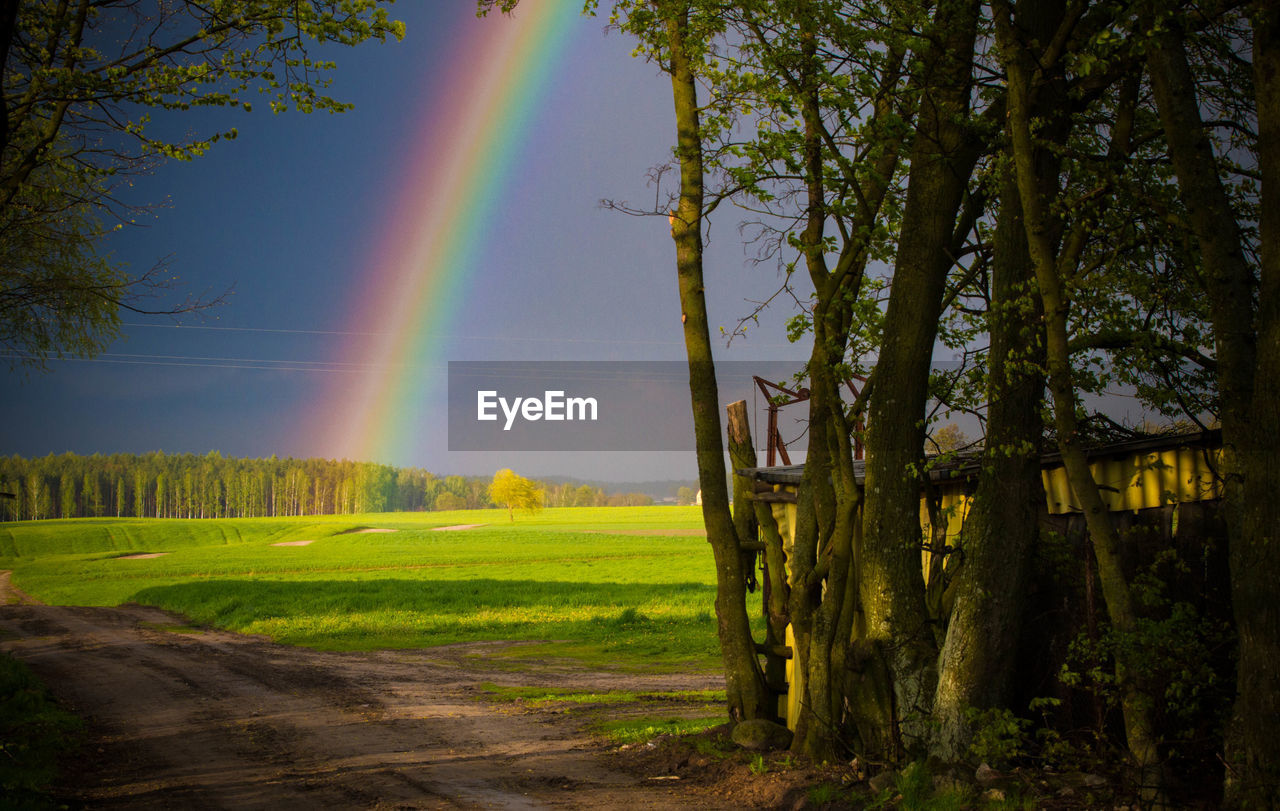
(578, 371)
(246, 329)
(375, 333)
(266, 366)
(237, 360)
(503, 338)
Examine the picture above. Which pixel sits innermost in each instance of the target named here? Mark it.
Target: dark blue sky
(288, 216)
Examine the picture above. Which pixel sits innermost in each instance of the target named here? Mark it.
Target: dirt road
(180, 718)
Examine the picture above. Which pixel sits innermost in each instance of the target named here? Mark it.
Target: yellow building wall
(1135, 482)
(789, 704)
(954, 509)
(1141, 481)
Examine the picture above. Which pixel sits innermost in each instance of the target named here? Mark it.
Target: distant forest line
(161, 485)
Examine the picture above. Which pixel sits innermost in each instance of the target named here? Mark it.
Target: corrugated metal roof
(965, 464)
(955, 467)
(781, 474)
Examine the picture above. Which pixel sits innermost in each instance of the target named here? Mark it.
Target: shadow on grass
(674, 620)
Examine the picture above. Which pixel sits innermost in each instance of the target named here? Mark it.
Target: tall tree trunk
(815, 521)
(822, 601)
(976, 664)
(1255, 565)
(744, 681)
(1051, 264)
(891, 588)
(821, 593)
(1248, 354)
(826, 589)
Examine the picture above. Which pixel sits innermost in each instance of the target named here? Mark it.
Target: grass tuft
(824, 793)
(34, 733)
(641, 730)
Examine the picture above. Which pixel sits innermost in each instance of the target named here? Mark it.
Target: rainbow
(473, 126)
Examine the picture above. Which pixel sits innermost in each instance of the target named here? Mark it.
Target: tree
(900, 637)
(80, 81)
(586, 496)
(38, 500)
(949, 438)
(11, 500)
(93, 493)
(1055, 263)
(1241, 280)
(836, 100)
(1189, 153)
(67, 495)
(515, 492)
(827, 151)
(447, 500)
(1027, 189)
(675, 34)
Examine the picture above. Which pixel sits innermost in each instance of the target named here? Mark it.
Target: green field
(582, 580)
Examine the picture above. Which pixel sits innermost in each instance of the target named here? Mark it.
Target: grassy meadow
(626, 586)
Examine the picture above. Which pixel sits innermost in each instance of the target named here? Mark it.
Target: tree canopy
(515, 492)
(81, 81)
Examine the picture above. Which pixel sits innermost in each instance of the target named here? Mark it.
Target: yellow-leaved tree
(515, 492)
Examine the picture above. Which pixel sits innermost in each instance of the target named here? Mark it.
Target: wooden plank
(780, 497)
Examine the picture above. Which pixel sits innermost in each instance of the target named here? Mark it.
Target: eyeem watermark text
(553, 407)
(546, 406)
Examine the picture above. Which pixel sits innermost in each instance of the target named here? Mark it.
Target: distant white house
(697, 500)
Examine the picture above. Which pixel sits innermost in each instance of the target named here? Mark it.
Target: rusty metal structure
(777, 396)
